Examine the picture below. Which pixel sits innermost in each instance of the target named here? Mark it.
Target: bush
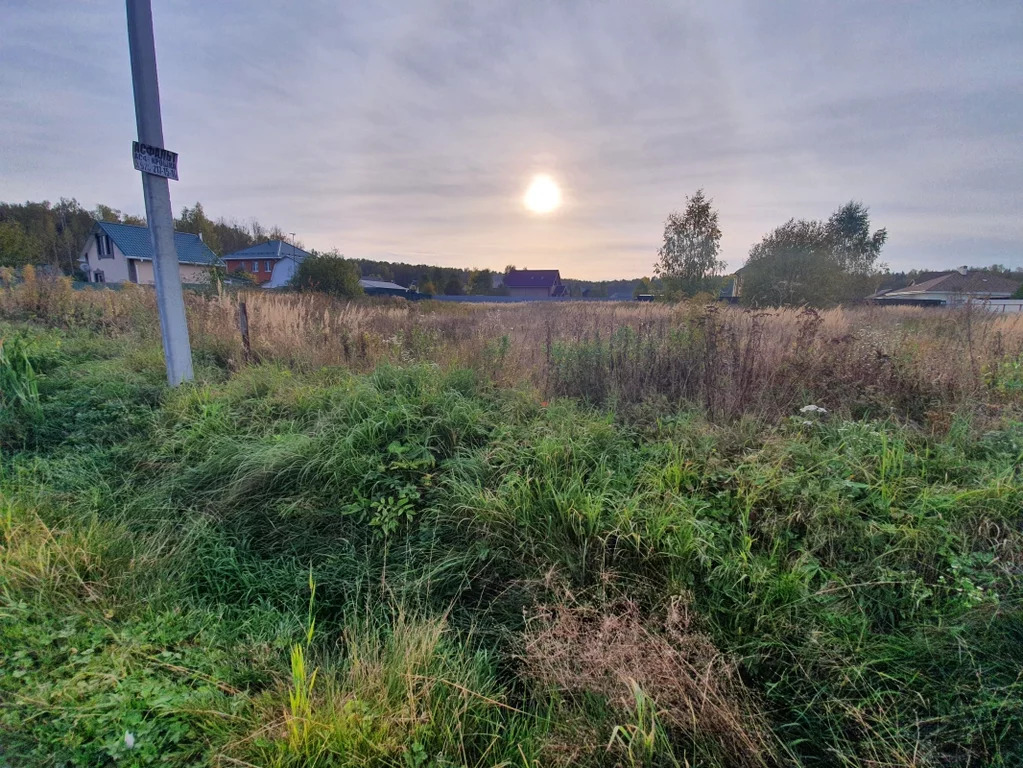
(328, 273)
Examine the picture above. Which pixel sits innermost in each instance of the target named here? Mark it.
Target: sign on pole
(157, 165)
(154, 160)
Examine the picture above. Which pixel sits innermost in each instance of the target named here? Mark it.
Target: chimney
(200, 236)
(963, 270)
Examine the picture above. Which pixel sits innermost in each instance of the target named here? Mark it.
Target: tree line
(52, 234)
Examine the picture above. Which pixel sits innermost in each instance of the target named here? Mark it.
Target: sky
(409, 131)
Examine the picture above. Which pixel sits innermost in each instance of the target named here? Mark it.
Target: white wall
(190, 273)
(115, 268)
(282, 273)
(1003, 305)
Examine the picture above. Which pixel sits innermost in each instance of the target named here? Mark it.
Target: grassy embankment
(481, 536)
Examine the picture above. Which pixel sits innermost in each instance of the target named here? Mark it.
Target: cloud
(385, 129)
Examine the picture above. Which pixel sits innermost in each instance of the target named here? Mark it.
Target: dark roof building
(123, 253)
(382, 288)
(534, 283)
(135, 243)
(955, 287)
(259, 260)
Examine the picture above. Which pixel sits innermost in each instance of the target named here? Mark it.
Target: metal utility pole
(155, 188)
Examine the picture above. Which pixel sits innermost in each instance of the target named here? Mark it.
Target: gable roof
(383, 285)
(271, 249)
(135, 243)
(532, 278)
(974, 281)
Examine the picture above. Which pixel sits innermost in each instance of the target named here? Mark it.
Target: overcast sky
(410, 130)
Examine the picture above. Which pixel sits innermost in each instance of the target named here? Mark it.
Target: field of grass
(577, 535)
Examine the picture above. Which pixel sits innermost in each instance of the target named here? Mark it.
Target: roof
(973, 281)
(135, 243)
(271, 249)
(532, 278)
(381, 285)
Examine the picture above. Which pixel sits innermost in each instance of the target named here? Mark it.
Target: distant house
(123, 253)
(953, 288)
(534, 283)
(383, 288)
(731, 290)
(261, 262)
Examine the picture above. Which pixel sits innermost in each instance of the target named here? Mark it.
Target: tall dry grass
(877, 361)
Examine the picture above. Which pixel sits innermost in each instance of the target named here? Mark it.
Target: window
(267, 267)
(98, 276)
(104, 246)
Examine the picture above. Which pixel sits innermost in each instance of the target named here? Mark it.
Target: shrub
(330, 274)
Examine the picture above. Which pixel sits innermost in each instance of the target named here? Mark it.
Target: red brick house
(259, 260)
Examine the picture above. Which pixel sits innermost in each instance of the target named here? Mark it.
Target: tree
(815, 263)
(791, 265)
(232, 235)
(195, 221)
(17, 247)
(106, 213)
(453, 287)
(427, 287)
(1019, 292)
(481, 282)
(692, 242)
(330, 273)
(854, 247)
(644, 287)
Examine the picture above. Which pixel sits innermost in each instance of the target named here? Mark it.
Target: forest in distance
(51, 235)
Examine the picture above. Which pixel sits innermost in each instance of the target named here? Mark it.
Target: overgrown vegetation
(420, 536)
(330, 274)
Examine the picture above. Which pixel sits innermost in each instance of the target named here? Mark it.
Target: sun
(543, 194)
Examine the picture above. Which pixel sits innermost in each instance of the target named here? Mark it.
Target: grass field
(528, 536)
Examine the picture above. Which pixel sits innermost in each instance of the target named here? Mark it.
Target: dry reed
(902, 361)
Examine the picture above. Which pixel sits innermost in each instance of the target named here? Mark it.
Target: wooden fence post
(243, 325)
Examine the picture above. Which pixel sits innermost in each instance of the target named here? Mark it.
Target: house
(383, 288)
(731, 290)
(953, 288)
(123, 253)
(261, 260)
(534, 283)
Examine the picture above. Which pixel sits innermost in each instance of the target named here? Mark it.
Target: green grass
(861, 579)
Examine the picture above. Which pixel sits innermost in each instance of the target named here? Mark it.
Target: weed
(613, 529)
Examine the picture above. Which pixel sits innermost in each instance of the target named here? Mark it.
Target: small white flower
(129, 740)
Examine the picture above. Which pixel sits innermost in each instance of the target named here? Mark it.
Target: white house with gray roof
(123, 253)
